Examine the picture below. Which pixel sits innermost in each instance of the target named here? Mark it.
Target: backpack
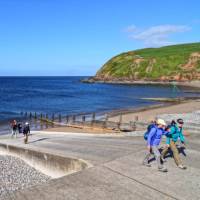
(146, 134)
(176, 129)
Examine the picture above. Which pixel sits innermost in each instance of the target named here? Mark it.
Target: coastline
(189, 84)
(142, 114)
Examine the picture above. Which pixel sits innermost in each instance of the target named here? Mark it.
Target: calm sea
(67, 95)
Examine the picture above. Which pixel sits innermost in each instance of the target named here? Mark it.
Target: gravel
(15, 174)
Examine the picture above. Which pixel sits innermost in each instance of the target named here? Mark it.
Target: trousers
(154, 151)
(175, 152)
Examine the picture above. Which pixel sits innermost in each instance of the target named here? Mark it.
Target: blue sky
(66, 37)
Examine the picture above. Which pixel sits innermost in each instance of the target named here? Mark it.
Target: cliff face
(170, 63)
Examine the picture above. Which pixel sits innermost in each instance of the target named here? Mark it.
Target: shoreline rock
(192, 84)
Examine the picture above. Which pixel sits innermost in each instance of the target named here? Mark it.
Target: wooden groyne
(83, 120)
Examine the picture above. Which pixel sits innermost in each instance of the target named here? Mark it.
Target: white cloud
(157, 35)
(130, 29)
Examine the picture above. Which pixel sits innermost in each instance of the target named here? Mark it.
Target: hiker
(26, 132)
(14, 128)
(149, 127)
(176, 132)
(20, 128)
(154, 137)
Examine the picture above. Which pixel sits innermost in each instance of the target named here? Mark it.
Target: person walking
(20, 128)
(176, 132)
(26, 132)
(153, 141)
(14, 128)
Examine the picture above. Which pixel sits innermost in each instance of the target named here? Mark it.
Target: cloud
(130, 29)
(157, 35)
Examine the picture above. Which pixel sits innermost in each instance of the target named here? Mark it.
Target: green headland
(169, 63)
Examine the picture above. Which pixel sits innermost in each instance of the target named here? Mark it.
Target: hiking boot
(162, 169)
(163, 159)
(182, 167)
(146, 164)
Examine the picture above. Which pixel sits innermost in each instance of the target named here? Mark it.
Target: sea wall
(52, 165)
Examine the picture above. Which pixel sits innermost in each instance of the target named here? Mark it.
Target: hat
(161, 122)
(26, 123)
(180, 121)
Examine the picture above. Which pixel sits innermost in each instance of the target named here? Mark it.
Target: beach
(97, 145)
(145, 115)
(150, 114)
(67, 96)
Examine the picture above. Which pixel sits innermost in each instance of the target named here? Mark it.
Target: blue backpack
(146, 134)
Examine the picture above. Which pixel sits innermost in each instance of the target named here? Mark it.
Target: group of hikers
(19, 128)
(153, 136)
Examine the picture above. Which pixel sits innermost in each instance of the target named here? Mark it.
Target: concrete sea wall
(52, 165)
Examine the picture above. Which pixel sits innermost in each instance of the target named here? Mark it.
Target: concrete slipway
(103, 167)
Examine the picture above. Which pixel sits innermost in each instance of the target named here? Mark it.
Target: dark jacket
(26, 130)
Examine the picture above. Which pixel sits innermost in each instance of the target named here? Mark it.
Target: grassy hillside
(177, 62)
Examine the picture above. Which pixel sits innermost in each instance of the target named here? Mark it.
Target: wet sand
(81, 130)
(144, 115)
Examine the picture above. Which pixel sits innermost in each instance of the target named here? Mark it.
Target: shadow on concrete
(38, 140)
(169, 154)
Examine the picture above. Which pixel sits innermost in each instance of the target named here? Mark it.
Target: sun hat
(26, 123)
(161, 122)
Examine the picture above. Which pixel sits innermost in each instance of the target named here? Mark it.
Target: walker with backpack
(153, 125)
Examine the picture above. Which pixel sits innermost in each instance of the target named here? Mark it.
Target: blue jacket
(155, 136)
(175, 134)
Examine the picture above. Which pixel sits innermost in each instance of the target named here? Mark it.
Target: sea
(69, 96)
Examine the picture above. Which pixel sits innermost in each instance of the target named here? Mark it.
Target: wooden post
(83, 119)
(53, 117)
(46, 118)
(67, 119)
(73, 118)
(26, 114)
(60, 118)
(133, 125)
(105, 122)
(41, 116)
(35, 116)
(120, 121)
(93, 116)
(30, 115)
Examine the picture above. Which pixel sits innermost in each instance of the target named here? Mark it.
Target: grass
(168, 62)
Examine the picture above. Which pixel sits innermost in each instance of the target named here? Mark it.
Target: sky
(76, 37)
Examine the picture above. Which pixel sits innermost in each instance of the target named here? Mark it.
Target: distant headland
(177, 63)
